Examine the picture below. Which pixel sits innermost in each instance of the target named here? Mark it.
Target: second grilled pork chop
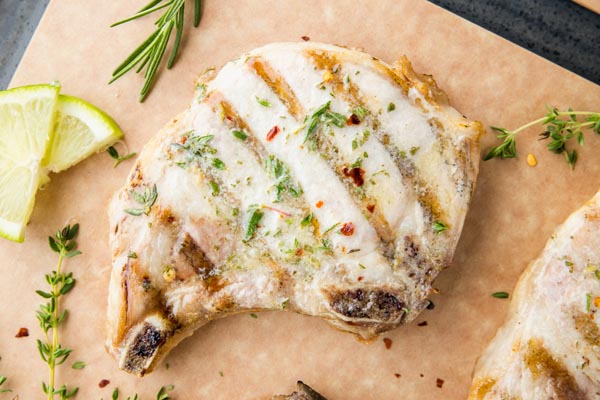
(549, 348)
(305, 177)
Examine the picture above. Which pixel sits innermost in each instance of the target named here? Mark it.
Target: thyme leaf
(114, 154)
(255, 217)
(146, 199)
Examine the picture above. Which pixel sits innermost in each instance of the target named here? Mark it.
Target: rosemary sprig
(114, 154)
(150, 53)
(146, 199)
(49, 314)
(2, 380)
(561, 128)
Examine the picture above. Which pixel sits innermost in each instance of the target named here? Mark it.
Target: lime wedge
(81, 130)
(26, 121)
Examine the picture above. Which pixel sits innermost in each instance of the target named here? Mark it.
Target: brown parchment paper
(514, 210)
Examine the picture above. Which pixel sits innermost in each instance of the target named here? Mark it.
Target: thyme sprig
(146, 199)
(561, 128)
(150, 53)
(49, 314)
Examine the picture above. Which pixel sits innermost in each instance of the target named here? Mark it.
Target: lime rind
(26, 118)
(81, 130)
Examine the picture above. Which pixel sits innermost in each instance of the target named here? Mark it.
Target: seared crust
(304, 177)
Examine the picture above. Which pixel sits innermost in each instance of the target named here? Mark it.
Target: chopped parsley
(307, 220)
(214, 187)
(439, 227)
(218, 164)
(255, 217)
(283, 181)
(500, 295)
(239, 134)
(323, 115)
(361, 139)
(391, 107)
(263, 102)
(361, 112)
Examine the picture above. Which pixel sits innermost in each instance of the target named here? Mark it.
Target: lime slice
(26, 121)
(81, 130)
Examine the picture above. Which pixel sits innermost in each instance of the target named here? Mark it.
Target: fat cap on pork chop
(304, 177)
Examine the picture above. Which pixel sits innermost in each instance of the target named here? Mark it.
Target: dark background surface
(558, 30)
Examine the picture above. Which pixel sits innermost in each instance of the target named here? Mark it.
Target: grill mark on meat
(195, 256)
(278, 85)
(587, 328)
(368, 304)
(542, 364)
(351, 93)
(358, 193)
(481, 388)
(143, 348)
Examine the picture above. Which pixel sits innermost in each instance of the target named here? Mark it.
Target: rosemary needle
(150, 53)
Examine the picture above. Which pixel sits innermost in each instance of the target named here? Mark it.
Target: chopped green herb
(235, 211)
(283, 181)
(391, 107)
(221, 373)
(307, 220)
(361, 112)
(162, 392)
(196, 147)
(439, 227)
(2, 380)
(78, 365)
(500, 295)
(357, 163)
(132, 254)
(252, 315)
(323, 115)
(285, 303)
(325, 245)
(218, 164)
(413, 150)
(588, 302)
(214, 187)
(239, 134)
(332, 227)
(361, 266)
(263, 102)
(146, 199)
(253, 222)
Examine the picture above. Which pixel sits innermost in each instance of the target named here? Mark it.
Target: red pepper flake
(371, 207)
(319, 204)
(23, 332)
(424, 323)
(397, 375)
(305, 38)
(299, 252)
(421, 375)
(347, 229)
(272, 133)
(184, 139)
(387, 342)
(439, 382)
(103, 383)
(360, 278)
(353, 120)
(357, 174)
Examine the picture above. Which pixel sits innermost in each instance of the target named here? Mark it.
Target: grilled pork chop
(304, 177)
(549, 346)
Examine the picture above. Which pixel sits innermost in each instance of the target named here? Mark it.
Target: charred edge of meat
(542, 363)
(143, 348)
(368, 304)
(304, 392)
(587, 329)
(194, 255)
